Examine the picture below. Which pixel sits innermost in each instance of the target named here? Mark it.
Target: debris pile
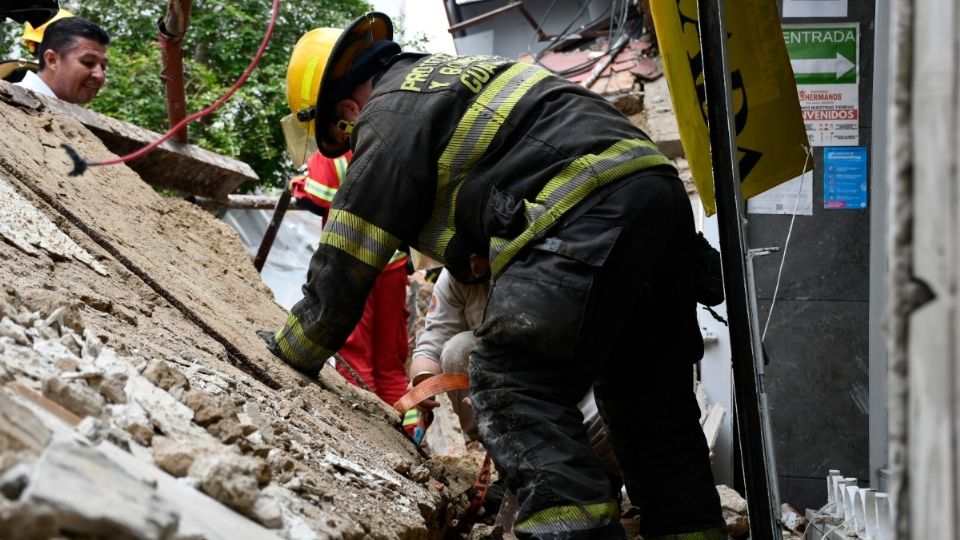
(71, 405)
(133, 360)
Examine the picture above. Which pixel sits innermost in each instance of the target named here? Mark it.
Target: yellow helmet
(326, 63)
(32, 37)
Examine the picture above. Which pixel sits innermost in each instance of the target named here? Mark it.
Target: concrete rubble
(59, 476)
(148, 377)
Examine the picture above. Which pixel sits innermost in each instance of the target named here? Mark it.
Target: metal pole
(271, 234)
(748, 384)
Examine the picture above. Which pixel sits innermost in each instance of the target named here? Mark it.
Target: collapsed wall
(152, 324)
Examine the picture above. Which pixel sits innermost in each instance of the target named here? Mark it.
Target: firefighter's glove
(267, 337)
(292, 346)
(708, 273)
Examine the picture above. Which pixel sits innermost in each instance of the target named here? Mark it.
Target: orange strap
(428, 388)
(477, 494)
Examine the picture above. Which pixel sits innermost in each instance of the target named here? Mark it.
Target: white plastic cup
(870, 514)
(839, 487)
(850, 490)
(859, 510)
(832, 485)
(884, 522)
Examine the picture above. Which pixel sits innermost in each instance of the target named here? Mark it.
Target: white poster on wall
(792, 196)
(814, 8)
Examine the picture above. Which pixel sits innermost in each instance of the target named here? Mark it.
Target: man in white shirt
(73, 61)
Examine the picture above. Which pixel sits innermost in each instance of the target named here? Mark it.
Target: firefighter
(377, 348)
(591, 246)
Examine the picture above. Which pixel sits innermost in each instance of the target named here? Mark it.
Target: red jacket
(323, 178)
(318, 187)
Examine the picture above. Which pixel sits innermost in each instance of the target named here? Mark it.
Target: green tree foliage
(222, 38)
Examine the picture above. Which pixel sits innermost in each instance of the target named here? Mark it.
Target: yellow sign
(770, 132)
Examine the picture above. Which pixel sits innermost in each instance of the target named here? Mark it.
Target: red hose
(80, 165)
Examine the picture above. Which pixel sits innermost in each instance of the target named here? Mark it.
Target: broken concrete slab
(24, 226)
(172, 165)
(76, 489)
(659, 119)
(20, 429)
(200, 515)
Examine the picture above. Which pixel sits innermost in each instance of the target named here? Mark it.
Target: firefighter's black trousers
(605, 298)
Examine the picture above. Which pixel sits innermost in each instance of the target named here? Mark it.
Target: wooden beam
(182, 167)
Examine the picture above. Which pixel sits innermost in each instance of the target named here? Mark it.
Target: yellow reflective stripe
(574, 183)
(359, 238)
(498, 244)
(297, 349)
(612, 160)
(306, 84)
(469, 142)
(410, 417)
(340, 164)
(319, 190)
(711, 534)
(569, 518)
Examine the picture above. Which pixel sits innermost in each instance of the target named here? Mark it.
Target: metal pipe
(745, 351)
(172, 29)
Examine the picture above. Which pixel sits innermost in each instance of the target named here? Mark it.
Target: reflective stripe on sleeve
(574, 183)
(710, 534)
(359, 238)
(340, 163)
(569, 518)
(318, 190)
(297, 349)
(469, 142)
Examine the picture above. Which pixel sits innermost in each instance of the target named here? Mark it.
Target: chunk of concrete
(734, 511)
(175, 457)
(20, 429)
(165, 376)
(112, 388)
(77, 489)
(200, 515)
(74, 396)
(228, 478)
(209, 409)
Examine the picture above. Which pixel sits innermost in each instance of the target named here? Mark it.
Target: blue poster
(845, 178)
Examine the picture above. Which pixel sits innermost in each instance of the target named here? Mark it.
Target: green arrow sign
(823, 54)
